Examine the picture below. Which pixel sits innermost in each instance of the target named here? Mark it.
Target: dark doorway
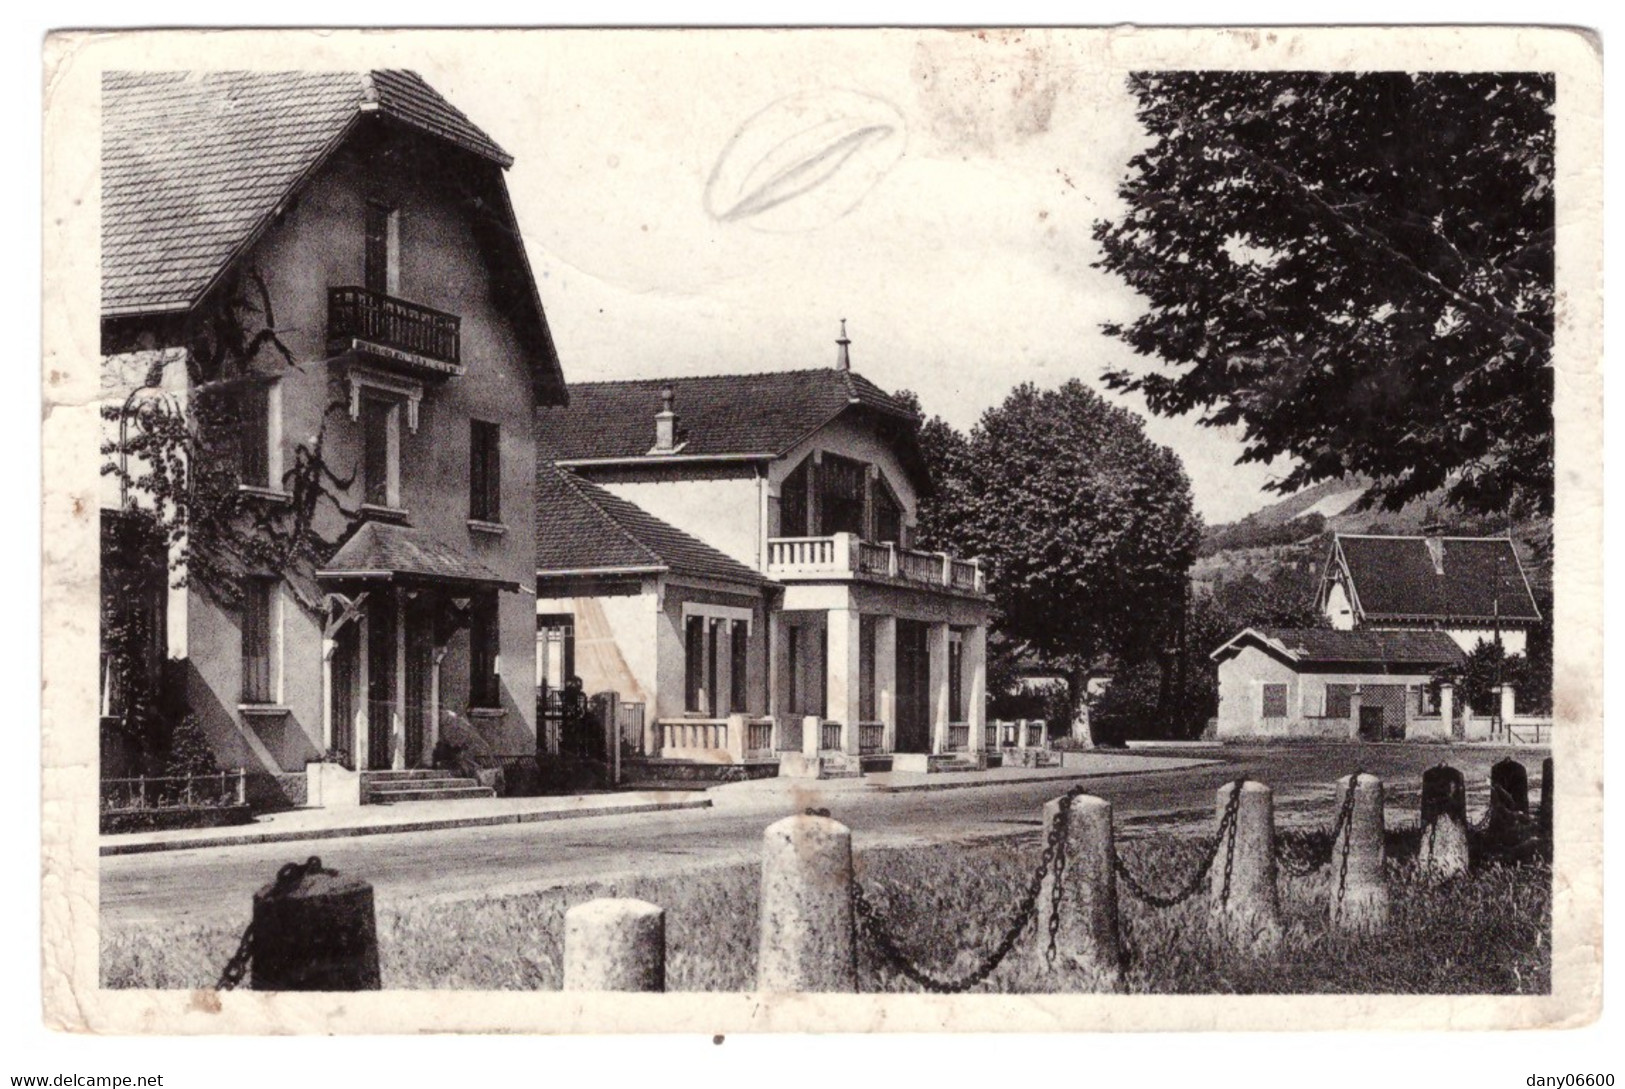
(381, 652)
(913, 688)
(1371, 724)
(419, 676)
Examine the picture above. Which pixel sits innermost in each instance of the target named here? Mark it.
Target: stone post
(807, 938)
(936, 650)
(736, 738)
(314, 930)
(1447, 708)
(1444, 823)
(843, 672)
(812, 728)
(1359, 896)
(1087, 938)
(1252, 911)
(886, 675)
(615, 945)
(1509, 710)
(975, 670)
(1509, 786)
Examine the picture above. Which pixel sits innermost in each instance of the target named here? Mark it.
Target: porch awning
(384, 553)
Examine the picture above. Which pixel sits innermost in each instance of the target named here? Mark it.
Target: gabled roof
(738, 416)
(194, 164)
(584, 529)
(1419, 649)
(388, 553)
(1396, 578)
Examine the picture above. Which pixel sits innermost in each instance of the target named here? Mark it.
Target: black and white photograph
(824, 515)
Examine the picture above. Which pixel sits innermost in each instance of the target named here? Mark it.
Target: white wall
(1338, 609)
(725, 514)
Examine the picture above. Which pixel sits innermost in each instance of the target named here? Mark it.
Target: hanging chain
(287, 878)
(1345, 824)
(1226, 837)
(1231, 810)
(1052, 863)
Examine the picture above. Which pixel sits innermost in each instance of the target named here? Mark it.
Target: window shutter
(377, 258)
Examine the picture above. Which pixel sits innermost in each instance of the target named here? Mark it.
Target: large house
(385, 450)
(1398, 611)
(739, 563)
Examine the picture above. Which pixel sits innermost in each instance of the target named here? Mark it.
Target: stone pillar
(777, 662)
(807, 937)
(736, 738)
(615, 945)
(1251, 912)
(811, 731)
(975, 670)
(1087, 938)
(723, 666)
(1443, 853)
(886, 679)
(1509, 786)
(363, 694)
(1447, 708)
(1359, 900)
(936, 648)
(843, 673)
(1509, 709)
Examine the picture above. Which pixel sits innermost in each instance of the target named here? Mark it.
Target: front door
(381, 671)
(419, 680)
(913, 688)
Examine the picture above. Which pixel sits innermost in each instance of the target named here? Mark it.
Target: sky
(703, 203)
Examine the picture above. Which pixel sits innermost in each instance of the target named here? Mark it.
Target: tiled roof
(1395, 577)
(734, 414)
(387, 552)
(194, 163)
(582, 527)
(1409, 648)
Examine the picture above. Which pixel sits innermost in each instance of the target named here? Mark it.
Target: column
(775, 687)
(363, 691)
(1447, 708)
(974, 665)
(842, 672)
(723, 644)
(397, 714)
(1509, 709)
(886, 680)
(936, 649)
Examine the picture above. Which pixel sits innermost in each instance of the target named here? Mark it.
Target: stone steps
(420, 785)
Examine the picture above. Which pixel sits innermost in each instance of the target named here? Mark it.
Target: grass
(1488, 933)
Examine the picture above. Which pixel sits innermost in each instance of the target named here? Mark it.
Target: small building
(1335, 685)
(1471, 588)
(802, 488)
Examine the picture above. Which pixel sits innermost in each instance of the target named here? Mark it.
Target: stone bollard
(1359, 895)
(1509, 784)
(1545, 811)
(1251, 911)
(806, 935)
(1087, 934)
(615, 945)
(314, 930)
(1443, 853)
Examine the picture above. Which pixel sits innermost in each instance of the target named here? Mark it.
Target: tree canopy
(1356, 268)
(1086, 527)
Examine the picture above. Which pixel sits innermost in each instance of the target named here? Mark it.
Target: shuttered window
(383, 248)
(254, 436)
(1275, 701)
(484, 471)
(484, 685)
(258, 611)
(739, 668)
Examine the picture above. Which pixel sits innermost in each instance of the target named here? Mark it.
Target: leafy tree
(1086, 528)
(1356, 268)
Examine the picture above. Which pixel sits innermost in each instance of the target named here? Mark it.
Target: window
(956, 679)
(259, 607)
(888, 515)
(694, 693)
(1339, 700)
(793, 521)
(1275, 701)
(739, 669)
(484, 680)
(484, 471)
(1427, 700)
(380, 452)
(842, 483)
(383, 248)
(254, 436)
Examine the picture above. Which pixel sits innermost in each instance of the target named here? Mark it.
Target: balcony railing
(845, 555)
(958, 736)
(394, 330)
(871, 737)
(829, 737)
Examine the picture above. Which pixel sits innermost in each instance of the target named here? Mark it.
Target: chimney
(1434, 534)
(665, 424)
(843, 361)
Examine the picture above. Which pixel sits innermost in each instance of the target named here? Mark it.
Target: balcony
(847, 556)
(393, 331)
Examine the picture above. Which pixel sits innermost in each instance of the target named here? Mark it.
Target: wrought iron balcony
(393, 330)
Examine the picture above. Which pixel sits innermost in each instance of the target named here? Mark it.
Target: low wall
(1302, 729)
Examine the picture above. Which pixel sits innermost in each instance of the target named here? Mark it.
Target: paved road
(218, 882)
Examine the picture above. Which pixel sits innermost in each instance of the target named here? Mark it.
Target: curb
(534, 817)
(1072, 774)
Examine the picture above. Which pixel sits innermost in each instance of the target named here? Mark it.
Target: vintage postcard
(822, 530)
